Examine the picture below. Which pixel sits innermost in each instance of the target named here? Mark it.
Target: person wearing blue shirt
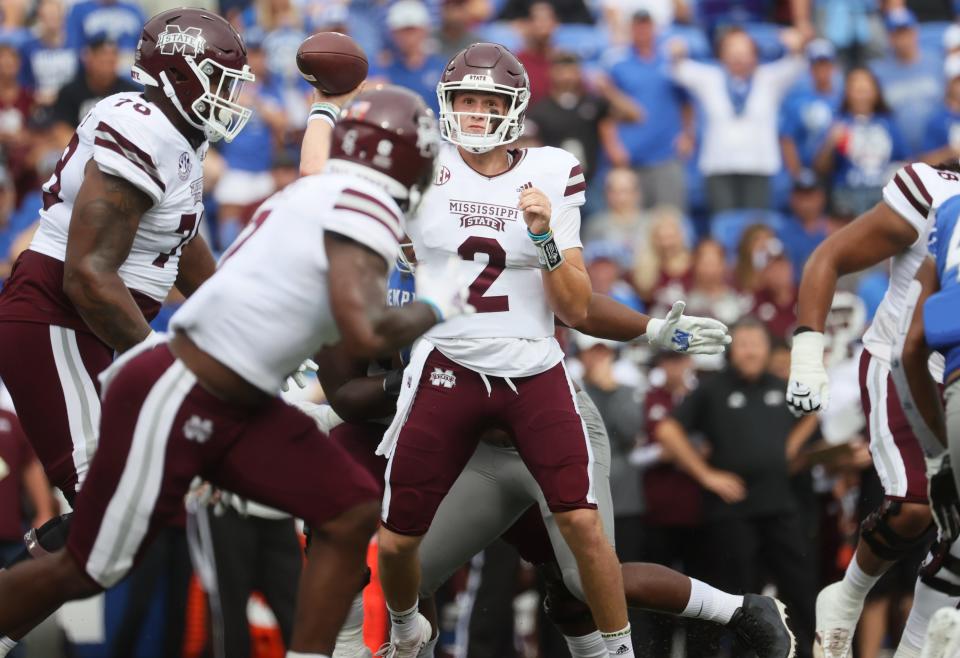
(117, 21)
(48, 63)
(656, 144)
(809, 110)
(942, 137)
(862, 147)
(410, 64)
(807, 225)
(912, 79)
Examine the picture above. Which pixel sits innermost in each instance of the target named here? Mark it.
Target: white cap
(951, 66)
(408, 13)
(951, 37)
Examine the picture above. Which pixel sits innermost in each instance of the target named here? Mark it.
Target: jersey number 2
(496, 263)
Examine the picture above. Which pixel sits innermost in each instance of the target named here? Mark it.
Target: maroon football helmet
(389, 135)
(491, 68)
(200, 62)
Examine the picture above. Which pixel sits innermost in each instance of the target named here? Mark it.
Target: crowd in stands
(721, 141)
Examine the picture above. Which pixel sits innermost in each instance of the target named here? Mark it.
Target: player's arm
(368, 327)
(105, 218)
(315, 148)
(196, 266)
(353, 394)
(911, 375)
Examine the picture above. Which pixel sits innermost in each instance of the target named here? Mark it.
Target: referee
(753, 524)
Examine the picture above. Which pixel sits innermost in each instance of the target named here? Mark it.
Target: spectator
(808, 224)
(456, 27)
(848, 25)
(930, 10)
(48, 63)
(247, 179)
(16, 108)
(911, 78)
(10, 227)
(97, 79)
(618, 14)
(942, 137)
(808, 112)
(607, 264)
(775, 300)
(91, 22)
(710, 293)
(624, 220)
(951, 40)
(862, 147)
(573, 119)
(662, 267)
(753, 243)
(663, 137)
(741, 104)
(566, 11)
(749, 506)
(537, 48)
(412, 65)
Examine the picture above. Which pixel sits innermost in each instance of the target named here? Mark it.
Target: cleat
(943, 634)
(835, 625)
(409, 649)
(761, 624)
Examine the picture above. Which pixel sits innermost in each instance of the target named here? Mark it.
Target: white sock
(426, 651)
(6, 646)
(619, 643)
(350, 637)
(926, 601)
(857, 583)
(403, 626)
(710, 603)
(297, 654)
(587, 646)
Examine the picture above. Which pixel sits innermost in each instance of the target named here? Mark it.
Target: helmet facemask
(499, 129)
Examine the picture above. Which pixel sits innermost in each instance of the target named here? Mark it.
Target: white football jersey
(915, 192)
(267, 308)
(477, 217)
(130, 137)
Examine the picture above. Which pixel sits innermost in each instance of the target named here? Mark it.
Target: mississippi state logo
(184, 166)
(198, 429)
(187, 42)
(443, 175)
(444, 378)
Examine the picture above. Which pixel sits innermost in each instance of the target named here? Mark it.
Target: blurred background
(684, 201)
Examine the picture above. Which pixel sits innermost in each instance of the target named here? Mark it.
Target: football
(332, 62)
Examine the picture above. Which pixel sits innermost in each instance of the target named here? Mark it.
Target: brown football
(332, 62)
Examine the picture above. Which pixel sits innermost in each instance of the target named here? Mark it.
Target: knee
(71, 579)
(390, 544)
(354, 527)
(913, 520)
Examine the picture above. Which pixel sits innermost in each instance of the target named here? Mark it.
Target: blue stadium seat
(503, 33)
(726, 227)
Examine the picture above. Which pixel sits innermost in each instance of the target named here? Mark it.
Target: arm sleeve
(368, 220)
(784, 72)
(122, 150)
(907, 194)
(692, 75)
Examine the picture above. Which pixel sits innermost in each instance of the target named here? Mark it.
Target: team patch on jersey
(198, 429)
(490, 215)
(196, 189)
(576, 182)
(112, 140)
(444, 378)
(187, 42)
(184, 166)
(443, 176)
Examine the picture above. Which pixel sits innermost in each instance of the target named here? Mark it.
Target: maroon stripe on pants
(29, 371)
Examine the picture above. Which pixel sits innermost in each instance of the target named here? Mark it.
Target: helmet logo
(382, 158)
(358, 110)
(187, 42)
(349, 143)
(480, 79)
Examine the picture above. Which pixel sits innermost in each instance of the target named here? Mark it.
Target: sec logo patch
(443, 175)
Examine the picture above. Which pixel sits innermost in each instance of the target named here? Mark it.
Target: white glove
(809, 387)
(298, 376)
(445, 287)
(687, 333)
(322, 414)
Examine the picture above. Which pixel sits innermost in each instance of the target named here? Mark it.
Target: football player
(118, 229)
(896, 229)
(310, 272)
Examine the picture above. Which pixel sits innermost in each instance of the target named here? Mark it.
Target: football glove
(299, 376)
(942, 490)
(809, 388)
(444, 287)
(322, 414)
(689, 334)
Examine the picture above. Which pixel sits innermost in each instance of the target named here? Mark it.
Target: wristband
(548, 253)
(392, 382)
(326, 111)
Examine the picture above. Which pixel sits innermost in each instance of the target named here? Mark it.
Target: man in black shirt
(96, 80)
(749, 507)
